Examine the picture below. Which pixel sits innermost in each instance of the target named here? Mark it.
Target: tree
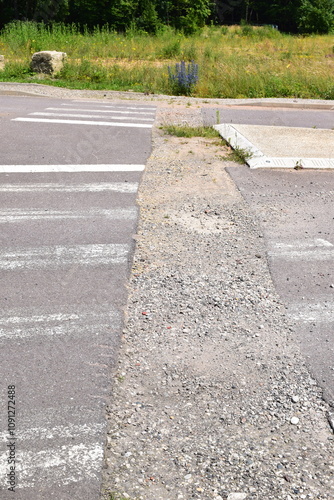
(316, 16)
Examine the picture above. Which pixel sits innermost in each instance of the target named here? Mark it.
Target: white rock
(295, 399)
(294, 421)
(48, 61)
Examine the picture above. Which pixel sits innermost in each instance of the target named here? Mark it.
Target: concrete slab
(282, 147)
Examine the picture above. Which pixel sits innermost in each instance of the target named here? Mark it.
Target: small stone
(237, 496)
(295, 399)
(294, 421)
(187, 477)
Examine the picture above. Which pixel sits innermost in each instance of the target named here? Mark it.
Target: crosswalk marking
(73, 115)
(117, 110)
(302, 244)
(71, 168)
(67, 464)
(61, 256)
(104, 105)
(309, 313)
(58, 432)
(30, 323)
(119, 187)
(18, 214)
(317, 249)
(81, 122)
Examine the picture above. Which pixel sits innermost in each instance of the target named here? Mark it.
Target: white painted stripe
(119, 187)
(70, 168)
(82, 122)
(116, 110)
(20, 214)
(61, 256)
(77, 115)
(78, 324)
(59, 465)
(308, 255)
(104, 105)
(57, 432)
(301, 244)
(317, 313)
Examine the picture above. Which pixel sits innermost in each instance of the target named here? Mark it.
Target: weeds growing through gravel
(187, 131)
(240, 155)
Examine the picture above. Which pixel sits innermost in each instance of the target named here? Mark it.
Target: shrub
(316, 16)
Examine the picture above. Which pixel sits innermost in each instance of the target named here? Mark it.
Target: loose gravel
(212, 398)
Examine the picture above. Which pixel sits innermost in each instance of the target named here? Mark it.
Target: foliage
(316, 16)
(188, 16)
(187, 131)
(184, 78)
(264, 63)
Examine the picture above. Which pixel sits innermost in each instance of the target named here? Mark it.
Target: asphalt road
(69, 174)
(296, 212)
(274, 116)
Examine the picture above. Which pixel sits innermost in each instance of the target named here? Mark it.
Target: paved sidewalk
(282, 147)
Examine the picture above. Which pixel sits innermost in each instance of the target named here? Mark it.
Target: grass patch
(187, 131)
(233, 62)
(116, 496)
(239, 155)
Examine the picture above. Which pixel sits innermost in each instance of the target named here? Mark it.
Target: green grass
(239, 155)
(116, 496)
(187, 131)
(234, 62)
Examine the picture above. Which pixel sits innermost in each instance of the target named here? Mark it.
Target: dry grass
(233, 63)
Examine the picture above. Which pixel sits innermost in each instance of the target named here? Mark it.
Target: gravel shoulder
(212, 398)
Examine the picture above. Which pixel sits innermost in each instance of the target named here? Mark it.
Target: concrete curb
(259, 160)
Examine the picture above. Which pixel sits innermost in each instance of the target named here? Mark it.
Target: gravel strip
(212, 398)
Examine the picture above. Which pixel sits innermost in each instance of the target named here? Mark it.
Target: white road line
(317, 249)
(116, 106)
(77, 115)
(82, 122)
(116, 110)
(118, 187)
(61, 465)
(18, 214)
(61, 256)
(57, 432)
(309, 313)
(308, 255)
(318, 242)
(70, 168)
(67, 324)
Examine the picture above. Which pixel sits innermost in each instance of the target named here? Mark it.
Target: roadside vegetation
(232, 62)
(188, 131)
(236, 154)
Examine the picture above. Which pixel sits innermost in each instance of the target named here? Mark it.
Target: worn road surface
(69, 173)
(296, 211)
